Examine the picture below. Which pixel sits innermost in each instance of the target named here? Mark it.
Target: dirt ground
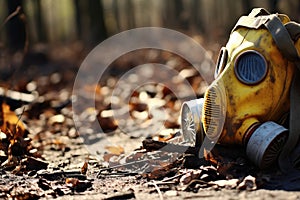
(131, 187)
(50, 160)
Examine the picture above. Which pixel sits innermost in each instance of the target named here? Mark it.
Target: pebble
(171, 193)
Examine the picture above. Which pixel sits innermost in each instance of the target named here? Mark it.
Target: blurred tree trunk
(298, 12)
(247, 6)
(173, 13)
(41, 33)
(97, 23)
(89, 19)
(196, 16)
(116, 14)
(129, 9)
(78, 18)
(16, 30)
(178, 8)
(273, 6)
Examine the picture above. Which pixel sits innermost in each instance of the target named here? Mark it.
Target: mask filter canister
(191, 113)
(266, 143)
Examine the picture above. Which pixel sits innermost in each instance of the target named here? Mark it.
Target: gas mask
(250, 98)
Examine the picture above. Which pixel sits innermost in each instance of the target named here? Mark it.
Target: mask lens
(250, 67)
(222, 60)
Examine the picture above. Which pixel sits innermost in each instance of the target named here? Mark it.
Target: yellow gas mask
(249, 100)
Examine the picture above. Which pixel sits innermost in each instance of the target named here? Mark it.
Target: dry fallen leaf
(10, 123)
(107, 123)
(210, 157)
(79, 185)
(72, 182)
(116, 150)
(84, 168)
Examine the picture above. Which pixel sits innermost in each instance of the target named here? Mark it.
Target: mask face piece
(249, 97)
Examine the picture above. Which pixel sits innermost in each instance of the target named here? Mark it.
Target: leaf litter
(42, 154)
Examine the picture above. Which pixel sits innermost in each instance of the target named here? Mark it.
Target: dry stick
(23, 18)
(171, 178)
(9, 17)
(195, 181)
(152, 145)
(14, 14)
(19, 119)
(167, 181)
(158, 190)
(122, 165)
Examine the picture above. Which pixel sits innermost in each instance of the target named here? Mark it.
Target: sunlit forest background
(91, 21)
(50, 96)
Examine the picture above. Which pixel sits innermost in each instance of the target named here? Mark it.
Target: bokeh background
(91, 21)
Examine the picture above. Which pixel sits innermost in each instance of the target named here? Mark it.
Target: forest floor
(42, 155)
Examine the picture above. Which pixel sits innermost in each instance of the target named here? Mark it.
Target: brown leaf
(10, 123)
(162, 170)
(116, 150)
(210, 157)
(78, 185)
(107, 123)
(72, 182)
(108, 157)
(84, 168)
(171, 124)
(158, 172)
(140, 107)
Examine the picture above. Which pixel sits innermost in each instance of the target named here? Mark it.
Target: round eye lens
(221, 62)
(250, 67)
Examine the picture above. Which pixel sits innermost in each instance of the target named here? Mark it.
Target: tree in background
(16, 26)
(92, 21)
(89, 18)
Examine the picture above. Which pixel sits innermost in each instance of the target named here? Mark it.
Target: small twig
(157, 189)
(152, 145)
(9, 17)
(198, 181)
(19, 119)
(171, 178)
(165, 183)
(122, 165)
(18, 12)
(118, 174)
